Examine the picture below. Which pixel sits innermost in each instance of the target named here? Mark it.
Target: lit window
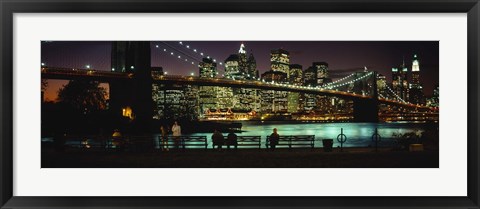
(127, 112)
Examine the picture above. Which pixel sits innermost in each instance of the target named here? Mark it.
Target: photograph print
(239, 104)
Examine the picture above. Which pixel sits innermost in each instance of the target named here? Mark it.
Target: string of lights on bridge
(194, 50)
(339, 80)
(381, 95)
(394, 94)
(173, 51)
(177, 53)
(349, 82)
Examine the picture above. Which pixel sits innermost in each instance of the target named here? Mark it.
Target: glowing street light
(87, 66)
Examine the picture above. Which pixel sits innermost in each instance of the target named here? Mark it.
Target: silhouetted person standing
(164, 142)
(274, 137)
(177, 132)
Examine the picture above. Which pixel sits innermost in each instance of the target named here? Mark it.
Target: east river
(357, 134)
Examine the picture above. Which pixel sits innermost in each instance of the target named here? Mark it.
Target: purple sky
(343, 57)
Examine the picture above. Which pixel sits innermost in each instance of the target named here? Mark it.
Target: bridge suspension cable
(178, 53)
(198, 52)
(394, 94)
(339, 80)
(349, 82)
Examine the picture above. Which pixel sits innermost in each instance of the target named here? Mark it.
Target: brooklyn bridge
(133, 88)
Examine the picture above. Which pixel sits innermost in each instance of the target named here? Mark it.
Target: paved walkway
(244, 158)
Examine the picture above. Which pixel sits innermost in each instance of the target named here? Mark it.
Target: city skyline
(343, 57)
(286, 106)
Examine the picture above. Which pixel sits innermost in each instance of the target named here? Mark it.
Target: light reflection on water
(358, 134)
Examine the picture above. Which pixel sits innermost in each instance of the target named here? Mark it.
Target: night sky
(343, 57)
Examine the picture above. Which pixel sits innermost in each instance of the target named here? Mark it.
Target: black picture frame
(10, 7)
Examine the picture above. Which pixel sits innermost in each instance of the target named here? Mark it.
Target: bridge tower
(135, 93)
(366, 110)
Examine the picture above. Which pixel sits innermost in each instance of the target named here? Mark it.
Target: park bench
(294, 141)
(248, 141)
(184, 142)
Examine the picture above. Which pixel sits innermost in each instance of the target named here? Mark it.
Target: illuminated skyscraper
(400, 82)
(295, 99)
(296, 74)
(238, 67)
(310, 79)
(310, 76)
(382, 85)
(242, 60)
(225, 97)
(321, 73)
(232, 67)
(435, 98)
(252, 72)
(207, 68)
(280, 61)
(274, 101)
(415, 70)
(175, 101)
(207, 94)
(316, 75)
(416, 89)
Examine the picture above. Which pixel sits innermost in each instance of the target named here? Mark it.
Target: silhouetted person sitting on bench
(274, 137)
(217, 139)
(231, 140)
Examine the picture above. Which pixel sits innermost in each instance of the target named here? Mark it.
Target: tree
(84, 96)
(44, 84)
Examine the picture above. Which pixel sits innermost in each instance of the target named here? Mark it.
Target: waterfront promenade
(243, 158)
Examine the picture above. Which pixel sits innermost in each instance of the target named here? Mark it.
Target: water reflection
(358, 134)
